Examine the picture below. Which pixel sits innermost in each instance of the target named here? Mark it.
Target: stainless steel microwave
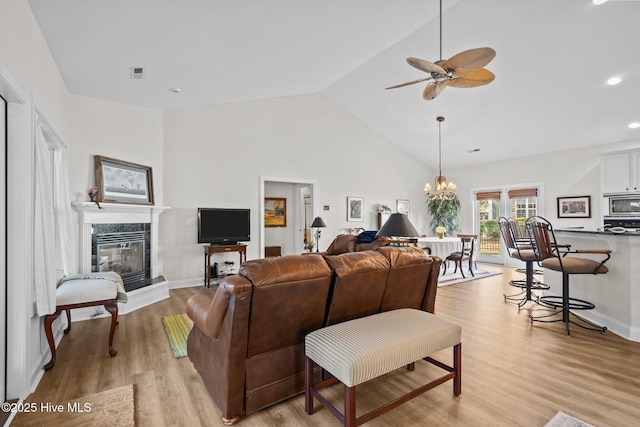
(622, 206)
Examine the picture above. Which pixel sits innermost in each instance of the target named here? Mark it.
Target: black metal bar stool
(520, 248)
(554, 257)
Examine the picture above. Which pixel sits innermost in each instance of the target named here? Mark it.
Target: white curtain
(66, 236)
(45, 226)
(54, 240)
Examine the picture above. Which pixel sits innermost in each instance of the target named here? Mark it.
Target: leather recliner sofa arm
(208, 313)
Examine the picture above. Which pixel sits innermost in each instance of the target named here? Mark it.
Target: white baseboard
(187, 283)
(613, 325)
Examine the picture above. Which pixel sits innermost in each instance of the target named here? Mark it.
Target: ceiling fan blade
(426, 66)
(470, 60)
(433, 89)
(477, 78)
(409, 83)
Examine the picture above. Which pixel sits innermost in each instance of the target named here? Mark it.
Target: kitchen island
(616, 294)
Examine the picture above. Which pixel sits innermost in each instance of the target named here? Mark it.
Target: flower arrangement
(383, 209)
(440, 230)
(93, 193)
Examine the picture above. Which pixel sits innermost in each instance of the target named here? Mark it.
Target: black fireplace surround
(125, 249)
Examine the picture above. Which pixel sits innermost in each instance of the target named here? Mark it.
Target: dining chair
(466, 253)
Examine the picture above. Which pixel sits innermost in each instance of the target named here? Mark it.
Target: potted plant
(444, 213)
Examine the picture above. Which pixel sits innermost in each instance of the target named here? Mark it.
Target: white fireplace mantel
(116, 213)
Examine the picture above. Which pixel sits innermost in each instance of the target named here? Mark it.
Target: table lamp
(398, 225)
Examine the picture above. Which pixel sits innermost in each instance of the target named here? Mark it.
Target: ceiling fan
(464, 69)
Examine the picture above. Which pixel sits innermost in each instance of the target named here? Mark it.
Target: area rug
(563, 420)
(107, 408)
(177, 329)
(452, 278)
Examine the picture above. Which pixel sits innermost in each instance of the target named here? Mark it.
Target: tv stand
(212, 249)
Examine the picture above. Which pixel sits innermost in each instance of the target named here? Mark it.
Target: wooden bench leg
(457, 369)
(308, 383)
(350, 406)
(112, 307)
(66, 331)
(48, 321)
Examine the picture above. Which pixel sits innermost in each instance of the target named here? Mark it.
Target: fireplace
(123, 238)
(125, 249)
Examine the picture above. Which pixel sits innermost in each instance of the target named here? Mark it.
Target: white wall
(26, 54)
(215, 156)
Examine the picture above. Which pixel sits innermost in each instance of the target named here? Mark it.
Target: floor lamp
(317, 224)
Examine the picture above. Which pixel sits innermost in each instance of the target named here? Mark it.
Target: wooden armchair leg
(112, 307)
(48, 321)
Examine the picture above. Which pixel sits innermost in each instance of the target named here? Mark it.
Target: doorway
(299, 195)
(518, 201)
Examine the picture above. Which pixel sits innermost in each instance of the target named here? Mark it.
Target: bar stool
(522, 239)
(554, 257)
(520, 249)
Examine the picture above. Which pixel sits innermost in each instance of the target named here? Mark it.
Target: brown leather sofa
(349, 243)
(247, 342)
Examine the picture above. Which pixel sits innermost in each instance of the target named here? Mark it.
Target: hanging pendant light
(442, 190)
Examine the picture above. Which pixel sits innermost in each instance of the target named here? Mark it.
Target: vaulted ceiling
(550, 92)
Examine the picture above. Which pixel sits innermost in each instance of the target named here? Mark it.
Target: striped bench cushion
(365, 348)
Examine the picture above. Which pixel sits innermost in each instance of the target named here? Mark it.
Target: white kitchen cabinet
(619, 172)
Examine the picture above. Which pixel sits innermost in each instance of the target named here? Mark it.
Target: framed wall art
(574, 207)
(275, 212)
(402, 206)
(123, 182)
(355, 208)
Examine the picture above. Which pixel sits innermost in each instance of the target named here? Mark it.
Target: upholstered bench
(362, 349)
(85, 290)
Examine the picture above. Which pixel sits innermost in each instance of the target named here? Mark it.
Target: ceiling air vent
(137, 73)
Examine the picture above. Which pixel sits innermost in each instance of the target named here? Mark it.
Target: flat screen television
(224, 226)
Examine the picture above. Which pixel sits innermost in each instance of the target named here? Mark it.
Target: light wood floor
(514, 373)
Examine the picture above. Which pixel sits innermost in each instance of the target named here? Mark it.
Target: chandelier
(442, 190)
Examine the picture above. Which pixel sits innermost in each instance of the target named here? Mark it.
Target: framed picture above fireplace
(123, 182)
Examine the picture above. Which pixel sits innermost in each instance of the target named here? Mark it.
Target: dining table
(441, 247)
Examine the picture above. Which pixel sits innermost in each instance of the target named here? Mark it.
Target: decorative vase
(440, 235)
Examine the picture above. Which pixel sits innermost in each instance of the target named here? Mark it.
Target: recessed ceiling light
(599, 2)
(175, 90)
(614, 80)
(634, 125)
